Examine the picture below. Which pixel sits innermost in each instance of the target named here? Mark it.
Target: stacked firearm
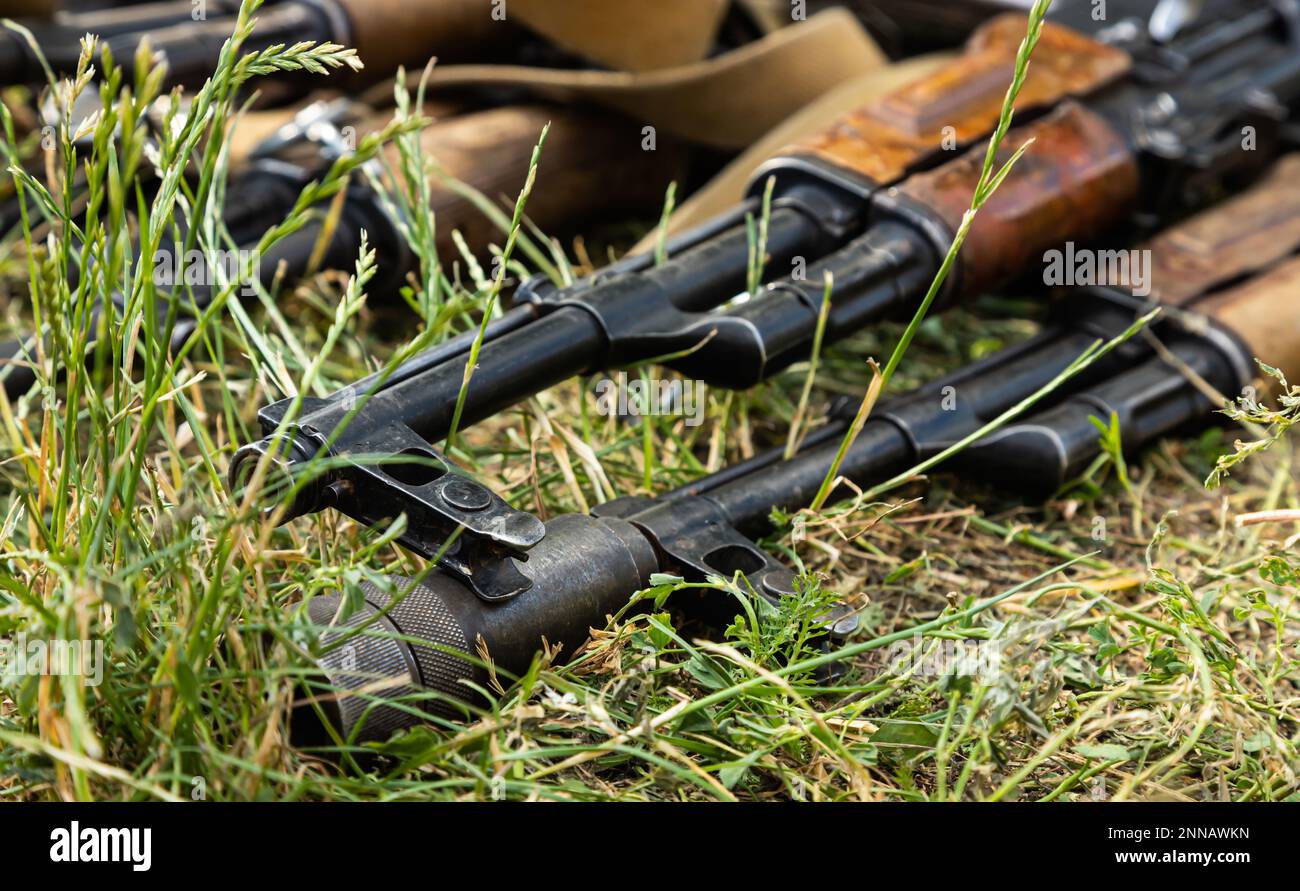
(483, 142)
(1162, 127)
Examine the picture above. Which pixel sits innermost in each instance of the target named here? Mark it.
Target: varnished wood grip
(1265, 313)
(961, 102)
(1077, 179)
(389, 33)
(1249, 232)
(592, 166)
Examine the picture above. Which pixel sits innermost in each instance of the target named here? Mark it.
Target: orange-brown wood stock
(961, 102)
(1076, 180)
(1250, 231)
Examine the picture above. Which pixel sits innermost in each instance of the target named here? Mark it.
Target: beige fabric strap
(769, 15)
(727, 188)
(726, 102)
(626, 34)
(629, 35)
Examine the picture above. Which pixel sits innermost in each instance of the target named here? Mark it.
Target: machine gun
(386, 33)
(1127, 130)
(486, 150)
(1230, 282)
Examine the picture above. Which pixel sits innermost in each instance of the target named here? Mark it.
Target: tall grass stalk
(991, 177)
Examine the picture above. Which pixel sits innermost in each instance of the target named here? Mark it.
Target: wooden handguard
(1249, 232)
(389, 33)
(888, 138)
(585, 153)
(1076, 180)
(1258, 229)
(1265, 314)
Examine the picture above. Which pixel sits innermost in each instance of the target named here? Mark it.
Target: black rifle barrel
(1095, 170)
(582, 568)
(571, 341)
(1033, 457)
(385, 34)
(523, 359)
(191, 46)
(587, 566)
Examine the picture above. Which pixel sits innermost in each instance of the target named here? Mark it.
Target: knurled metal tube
(582, 571)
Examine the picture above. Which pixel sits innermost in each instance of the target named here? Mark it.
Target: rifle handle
(591, 166)
(1077, 179)
(389, 33)
(961, 102)
(1249, 232)
(1265, 314)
